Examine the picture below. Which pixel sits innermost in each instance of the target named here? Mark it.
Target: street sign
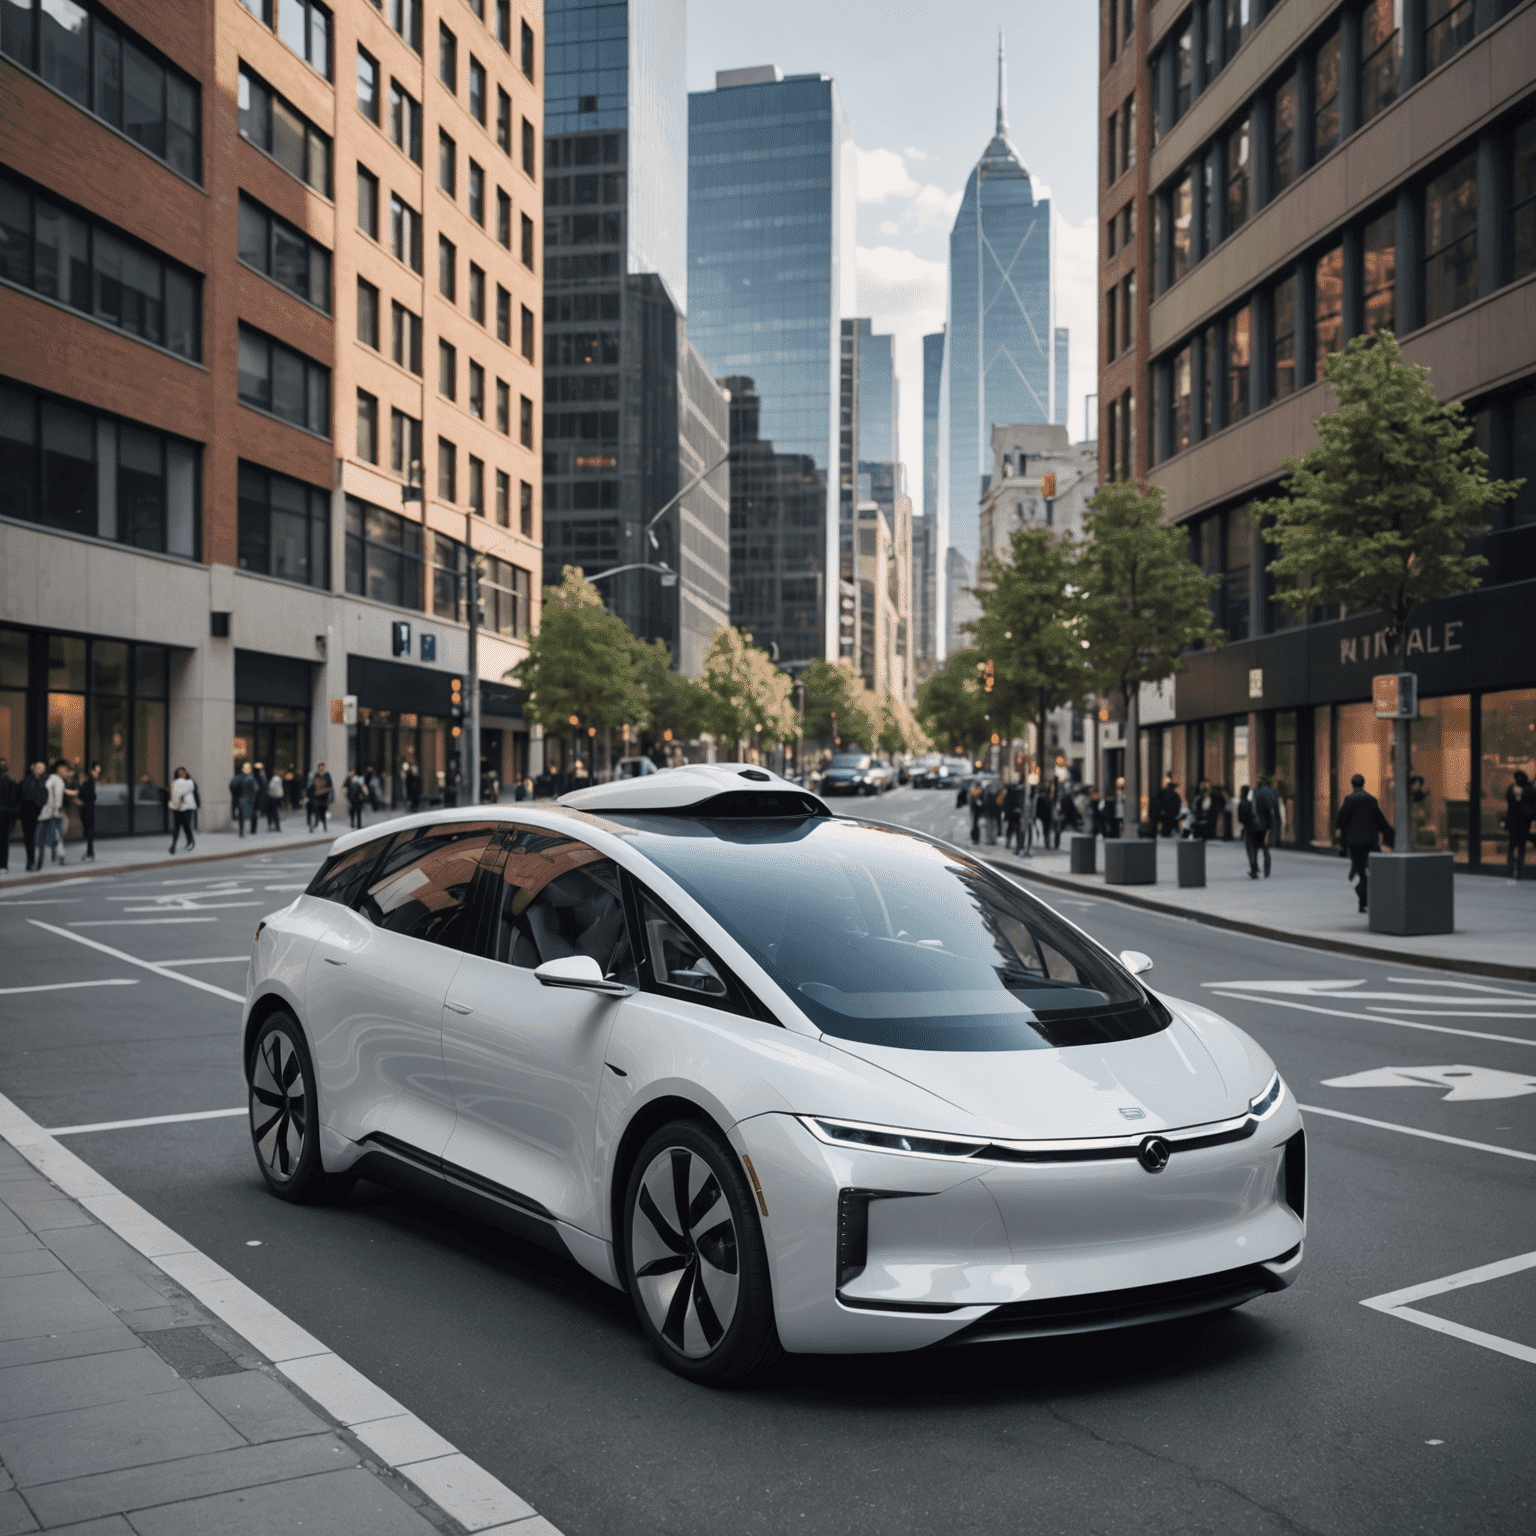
(1395, 696)
(400, 637)
(1256, 683)
(349, 709)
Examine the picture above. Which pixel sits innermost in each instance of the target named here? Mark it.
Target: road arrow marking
(1463, 1082)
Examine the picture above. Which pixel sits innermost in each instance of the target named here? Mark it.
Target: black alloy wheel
(284, 1113)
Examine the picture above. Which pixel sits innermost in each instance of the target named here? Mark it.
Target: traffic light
(456, 699)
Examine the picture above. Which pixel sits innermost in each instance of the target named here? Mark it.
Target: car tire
(284, 1114)
(716, 1324)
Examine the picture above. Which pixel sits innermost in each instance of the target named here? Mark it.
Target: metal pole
(471, 729)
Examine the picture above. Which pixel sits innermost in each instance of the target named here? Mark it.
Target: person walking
(33, 798)
(1013, 799)
(274, 792)
(356, 791)
(52, 817)
(1245, 823)
(1360, 828)
(1166, 808)
(1200, 811)
(1519, 816)
(321, 791)
(1268, 819)
(10, 811)
(243, 790)
(413, 785)
(85, 797)
(183, 804)
(375, 790)
(259, 801)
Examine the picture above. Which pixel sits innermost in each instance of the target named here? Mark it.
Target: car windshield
(885, 938)
(849, 760)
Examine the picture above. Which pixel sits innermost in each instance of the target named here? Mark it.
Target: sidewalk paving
(1308, 900)
(127, 1409)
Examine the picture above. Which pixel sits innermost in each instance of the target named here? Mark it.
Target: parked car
(634, 768)
(855, 773)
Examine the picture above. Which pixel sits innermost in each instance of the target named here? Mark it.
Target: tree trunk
(1132, 733)
(1402, 765)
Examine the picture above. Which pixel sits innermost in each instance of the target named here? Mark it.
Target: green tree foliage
(838, 690)
(664, 700)
(746, 697)
(1144, 602)
(952, 706)
(1378, 515)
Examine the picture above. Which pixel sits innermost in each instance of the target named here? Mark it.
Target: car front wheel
(284, 1114)
(695, 1257)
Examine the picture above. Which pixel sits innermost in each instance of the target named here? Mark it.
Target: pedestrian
(243, 788)
(992, 810)
(1268, 819)
(413, 786)
(274, 794)
(53, 814)
(1013, 800)
(1360, 828)
(357, 794)
(290, 790)
(321, 791)
(85, 796)
(1166, 807)
(1519, 815)
(1200, 811)
(1245, 821)
(33, 798)
(1117, 810)
(10, 811)
(183, 804)
(375, 789)
(259, 803)
(234, 800)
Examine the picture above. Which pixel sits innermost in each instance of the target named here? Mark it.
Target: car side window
(558, 898)
(341, 877)
(421, 887)
(678, 963)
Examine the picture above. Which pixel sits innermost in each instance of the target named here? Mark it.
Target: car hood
(1079, 1091)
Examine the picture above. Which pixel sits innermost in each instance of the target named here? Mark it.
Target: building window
(1240, 20)
(447, 58)
(1111, 145)
(89, 265)
(530, 152)
(507, 589)
(1449, 27)
(367, 314)
(1450, 240)
(1380, 277)
(285, 254)
(405, 121)
(504, 24)
(404, 443)
(447, 471)
(447, 268)
(1205, 234)
(1283, 147)
(527, 51)
(84, 55)
(1283, 332)
(476, 294)
(283, 132)
(367, 202)
(1183, 223)
(383, 556)
(527, 251)
(477, 486)
(73, 469)
(525, 422)
(503, 121)
(1111, 328)
(1111, 233)
(1328, 317)
(1181, 399)
(449, 568)
(1112, 438)
(503, 316)
(305, 25)
(289, 385)
(447, 371)
(405, 337)
(405, 18)
(404, 233)
(476, 390)
(447, 164)
(504, 218)
(1208, 343)
(368, 94)
(503, 407)
(1127, 311)
(1127, 433)
(1381, 56)
(1239, 176)
(503, 498)
(1522, 209)
(525, 509)
(367, 426)
(285, 527)
(1325, 96)
(476, 194)
(477, 90)
(1128, 134)
(1184, 67)
(527, 338)
(1238, 358)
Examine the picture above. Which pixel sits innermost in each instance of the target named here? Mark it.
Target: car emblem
(1134, 1114)
(1153, 1154)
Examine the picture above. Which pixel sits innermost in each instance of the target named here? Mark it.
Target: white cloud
(913, 153)
(884, 178)
(890, 227)
(1077, 307)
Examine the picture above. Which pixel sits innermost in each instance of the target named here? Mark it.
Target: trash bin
(1130, 861)
(1085, 854)
(1413, 893)
(1191, 861)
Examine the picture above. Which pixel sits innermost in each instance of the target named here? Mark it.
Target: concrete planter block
(1413, 893)
(1130, 861)
(1085, 854)
(1191, 861)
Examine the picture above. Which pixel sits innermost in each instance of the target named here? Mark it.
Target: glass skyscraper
(770, 275)
(925, 526)
(632, 413)
(1005, 359)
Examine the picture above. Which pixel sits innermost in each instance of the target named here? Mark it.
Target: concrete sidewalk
(126, 1407)
(1308, 900)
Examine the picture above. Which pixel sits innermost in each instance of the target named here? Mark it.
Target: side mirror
(580, 972)
(1132, 959)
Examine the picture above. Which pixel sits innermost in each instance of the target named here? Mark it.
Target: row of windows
(275, 126)
(285, 254)
(592, 188)
(289, 385)
(304, 25)
(67, 256)
(405, 18)
(86, 55)
(284, 527)
(1199, 48)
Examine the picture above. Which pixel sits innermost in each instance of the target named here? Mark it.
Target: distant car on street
(794, 1082)
(634, 768)
(856, 773)
(942, 772)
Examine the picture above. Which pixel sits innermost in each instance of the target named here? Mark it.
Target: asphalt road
(1304, 1411)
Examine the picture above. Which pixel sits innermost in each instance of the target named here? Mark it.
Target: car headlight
(845, 1133)
(1263, 1105)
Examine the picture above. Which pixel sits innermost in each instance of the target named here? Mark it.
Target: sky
(919, 86)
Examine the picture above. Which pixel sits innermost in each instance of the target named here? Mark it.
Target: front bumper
(871, 1251)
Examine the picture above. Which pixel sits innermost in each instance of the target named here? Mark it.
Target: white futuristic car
(794, 1081)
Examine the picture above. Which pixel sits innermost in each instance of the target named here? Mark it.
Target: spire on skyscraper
(1002, 87)
(1001, 158)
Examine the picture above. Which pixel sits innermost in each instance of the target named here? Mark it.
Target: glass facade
(769, 225)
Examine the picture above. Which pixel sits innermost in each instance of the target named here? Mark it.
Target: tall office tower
(770, 274)
(925, 526)
(632, 414)
(271, 327)
(1001, 355)
(1360, 156)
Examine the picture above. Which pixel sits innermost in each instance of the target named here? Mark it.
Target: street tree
(745, 695)
(953, 706)
(1379, 514)
(1029, 629)
(663, 699)
(1144, 602)
(836, 690)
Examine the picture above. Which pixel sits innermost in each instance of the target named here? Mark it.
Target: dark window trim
(329, 197)
(330, 314)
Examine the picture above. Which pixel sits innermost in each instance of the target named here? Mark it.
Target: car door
(525, 1061)
(375, 989)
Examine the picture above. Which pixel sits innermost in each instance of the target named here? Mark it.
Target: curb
(76, 872)
(1492, 968)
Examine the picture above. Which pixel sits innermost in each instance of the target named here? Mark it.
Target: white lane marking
(65, 986)
(133, 1125)
(68, 901)
(1395, 1304)
(138, 922)
(194, 906)
(1378, 1018)
(1344, 991)
(1463, 1082)
(461, 1487)
(169, 898)
(1413, 1130)
(210, 960)
(1455, 1013)
(64, 885)
(1459, 986)
(148, 965)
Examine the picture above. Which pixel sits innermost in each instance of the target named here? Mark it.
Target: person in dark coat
(10, 810)
(33, 798)
(1245, 822)
(1166, 806)
(1360, 828)
(1519, 816)
(1013, 803)
(356, 791)
(1268, 822)
(85, 796)
(243, 790)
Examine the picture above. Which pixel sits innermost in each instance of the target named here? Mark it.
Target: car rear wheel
(284, 1114)
(695, 1257)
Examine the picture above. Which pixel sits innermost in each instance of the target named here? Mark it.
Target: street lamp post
(471, 750)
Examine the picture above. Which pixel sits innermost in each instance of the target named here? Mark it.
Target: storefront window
(1365, 747)
(1509, 742)
(1284, 781)
(1441, 776)
(1323, 803)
